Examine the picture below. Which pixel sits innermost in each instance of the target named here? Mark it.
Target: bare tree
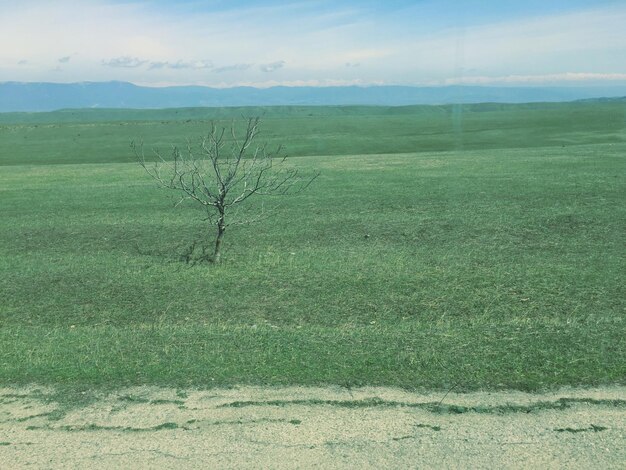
(223, 171)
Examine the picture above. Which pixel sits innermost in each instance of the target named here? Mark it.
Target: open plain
(475, 250)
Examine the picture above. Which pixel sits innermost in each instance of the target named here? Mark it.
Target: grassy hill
(100, 136)
(479, 247)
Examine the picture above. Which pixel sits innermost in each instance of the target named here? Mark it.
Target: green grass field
(475, 247)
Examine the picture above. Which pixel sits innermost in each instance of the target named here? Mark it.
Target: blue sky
(263, 43)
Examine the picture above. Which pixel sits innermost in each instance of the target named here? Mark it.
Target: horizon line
(531, 85)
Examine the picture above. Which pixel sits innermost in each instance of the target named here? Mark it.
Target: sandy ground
(325, 428)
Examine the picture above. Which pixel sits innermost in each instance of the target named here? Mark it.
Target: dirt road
(314, 428)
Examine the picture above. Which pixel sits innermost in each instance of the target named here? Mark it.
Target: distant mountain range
(18, 96)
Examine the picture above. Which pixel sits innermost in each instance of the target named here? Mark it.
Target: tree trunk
(221, 228)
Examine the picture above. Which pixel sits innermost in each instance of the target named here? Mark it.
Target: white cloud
(594, 41)
(137, 41)
(125, 62)
(272, 67)
(535, 79)
(181, 64)
(232, 68)
(325, 82)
